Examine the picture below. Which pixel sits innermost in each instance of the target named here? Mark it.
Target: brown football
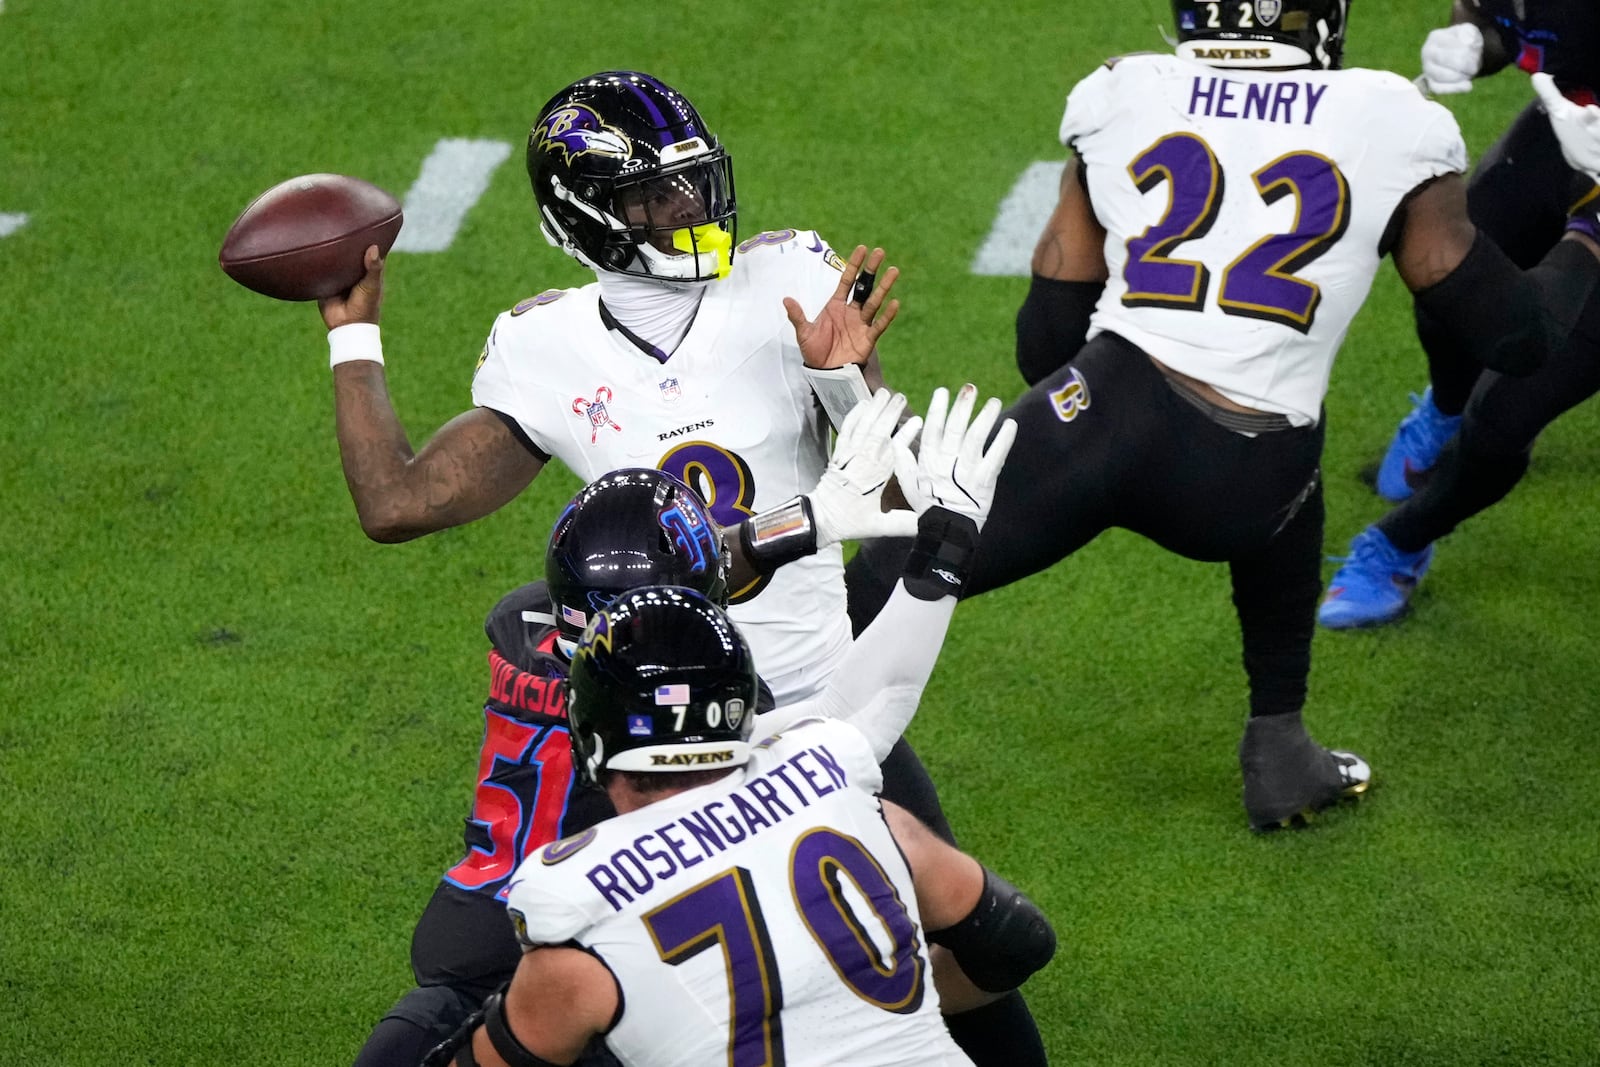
(303, 239)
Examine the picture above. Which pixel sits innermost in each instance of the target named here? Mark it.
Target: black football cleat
(1288, 776)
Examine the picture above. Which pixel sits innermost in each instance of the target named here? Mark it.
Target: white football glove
(1577, 128)
(951, 468)
(847, 504)
(1451, 57)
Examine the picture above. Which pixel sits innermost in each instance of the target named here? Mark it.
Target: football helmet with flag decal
(661, 681)
(629, 180)
(1266, 34)
(629, 528)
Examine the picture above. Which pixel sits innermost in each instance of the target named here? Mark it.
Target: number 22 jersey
(729, 412)
(1244, 211)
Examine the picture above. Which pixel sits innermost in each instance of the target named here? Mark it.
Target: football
(303, 239)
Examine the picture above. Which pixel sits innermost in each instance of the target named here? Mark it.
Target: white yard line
(453, 177)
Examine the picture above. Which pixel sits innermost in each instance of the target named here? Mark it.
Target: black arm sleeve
(1507, 319)
(1052, 324)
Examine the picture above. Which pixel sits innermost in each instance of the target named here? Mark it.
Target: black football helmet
(630, 180)
(629, 528)
(1276, 34)
(660, 681)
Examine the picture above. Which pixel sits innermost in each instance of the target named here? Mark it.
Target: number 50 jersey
(767, 917)
(729, 412)
(1244, 211)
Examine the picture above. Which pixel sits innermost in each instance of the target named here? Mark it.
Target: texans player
(1218, 228)
(689, 352)
(1519, 195)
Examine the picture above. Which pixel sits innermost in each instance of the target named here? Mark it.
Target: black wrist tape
(941, 556)
(780, 535)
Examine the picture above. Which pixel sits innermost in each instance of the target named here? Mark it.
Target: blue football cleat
(1415, 449)
(1374, 584)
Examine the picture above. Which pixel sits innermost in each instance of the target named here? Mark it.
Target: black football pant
(1489, 455)
(463, 950)
(1519, 195)
(1125, 448)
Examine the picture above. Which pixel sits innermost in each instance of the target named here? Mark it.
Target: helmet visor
(694, 193)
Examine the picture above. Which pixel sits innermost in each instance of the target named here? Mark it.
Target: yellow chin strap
(707, 240)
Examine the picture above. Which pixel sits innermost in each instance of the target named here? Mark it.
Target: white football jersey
(787, 874)
(729, 412)
(1244, 210)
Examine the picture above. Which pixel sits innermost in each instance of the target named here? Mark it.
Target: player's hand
(850, 323)
(364, 300)
(1576, 127)
(847, 504)
(952, 469)
(1451, 58)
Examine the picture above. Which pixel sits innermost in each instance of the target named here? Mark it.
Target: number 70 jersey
(1245, 211)
(766, 918)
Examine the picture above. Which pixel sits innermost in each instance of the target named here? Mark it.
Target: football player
(1218, 228)
(822, 958)
(1520, 195)
(689, 352)
(630, 527)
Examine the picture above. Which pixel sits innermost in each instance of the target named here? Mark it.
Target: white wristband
(352, 341)
(840, 389)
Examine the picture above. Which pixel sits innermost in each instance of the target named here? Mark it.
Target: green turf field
(237, 739)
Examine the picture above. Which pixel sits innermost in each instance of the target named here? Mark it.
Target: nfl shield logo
(670, 390)
(1267, 11)
(638, 726)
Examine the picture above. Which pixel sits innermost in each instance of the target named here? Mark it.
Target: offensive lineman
(806, 898)
(687, 353)
(1218, 229)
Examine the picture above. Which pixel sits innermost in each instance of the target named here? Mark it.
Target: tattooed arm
(472, 466)
(1069, 271)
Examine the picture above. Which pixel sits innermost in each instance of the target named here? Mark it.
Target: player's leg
(1518, 196)
(462, 950)
(1076, 432)
(1002, 1031)
(1503, 419)
(994, 936)
(1286, 774)
(906, 782)
(421, 1019)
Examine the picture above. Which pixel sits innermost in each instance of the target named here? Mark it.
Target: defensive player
(1520, 195)
(1218, 229)
(680, 356)
(821, 958)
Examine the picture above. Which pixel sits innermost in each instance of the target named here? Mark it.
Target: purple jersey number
(1260, 283)
(723, 911)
